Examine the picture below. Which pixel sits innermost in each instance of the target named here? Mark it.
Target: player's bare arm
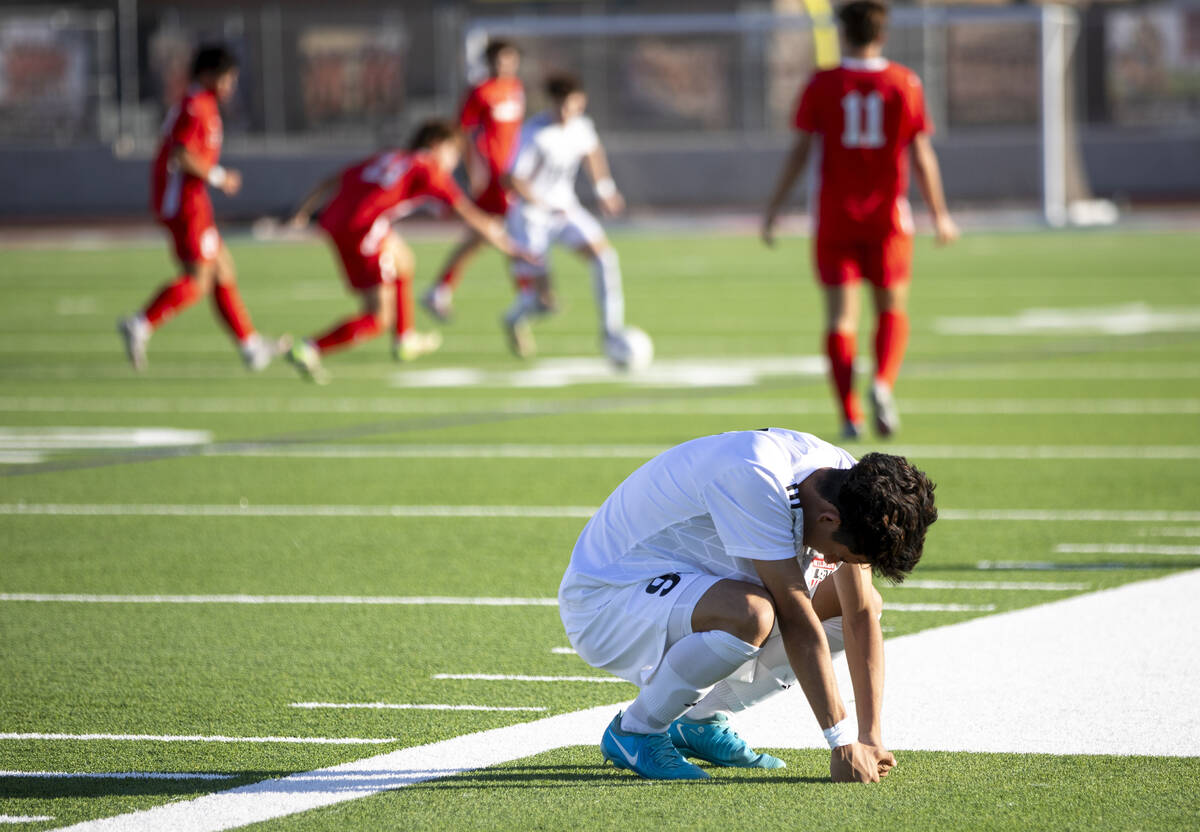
(860, 607)
(489, 227)
(313, 200)
(611, 201)
(929, 181)
(224, 179)
(793, 169)
(808, 653)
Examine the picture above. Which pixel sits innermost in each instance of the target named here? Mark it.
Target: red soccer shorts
(884, 263)
(493, 198)
(366, 261)
(194, 237)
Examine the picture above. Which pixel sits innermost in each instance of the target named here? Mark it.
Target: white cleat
(520, 337)
(136, 333)
(307, 360)
(883, 403)
(412, 345)
(258, 352)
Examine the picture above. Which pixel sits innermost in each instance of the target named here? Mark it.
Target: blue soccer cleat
(714, 741)
(652, 756)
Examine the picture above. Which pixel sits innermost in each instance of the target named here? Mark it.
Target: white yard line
(893, 607)
(507, 677)
(659, 406)
(1024, 586)
(1082, 661)
(201, 738)
(389, 706)
(1051, 566)
(1020, 515)
(368, 600)
(1125, 549)
(118, 775)
(1192, 532)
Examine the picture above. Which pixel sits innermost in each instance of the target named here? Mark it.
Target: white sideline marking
(120, 775)
(57, 439)
(647, 407)
(388, 706)
(527, 451)
(25, 818)
(1091, 651)
(564, 651)
(1044, 586)
(1052, 566)
(1124, 549)
(1020, 515)
(369, 600)
(503, 677)
(199, 738)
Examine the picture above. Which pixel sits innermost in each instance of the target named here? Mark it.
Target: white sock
(610, 297)
(251, 343)
(770, 674)
(690, 666)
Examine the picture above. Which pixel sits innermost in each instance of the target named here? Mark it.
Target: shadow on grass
(27, 786)
(565, 776)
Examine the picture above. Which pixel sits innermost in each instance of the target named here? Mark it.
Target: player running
(186, 164)
(729, 567)
(547, 210)
(491, 117)
(864, 115)
(367, 198)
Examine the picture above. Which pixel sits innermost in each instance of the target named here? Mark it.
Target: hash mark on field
(120, 775)
(386, 706)
(199, 738)
(1045, 586)
(564, 651)
(1124, 549)
(502, 677)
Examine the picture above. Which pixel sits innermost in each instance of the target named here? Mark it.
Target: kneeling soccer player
(367, 198)
(710, 578)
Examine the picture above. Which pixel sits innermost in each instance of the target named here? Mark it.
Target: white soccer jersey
(548, 157)
(711, 505)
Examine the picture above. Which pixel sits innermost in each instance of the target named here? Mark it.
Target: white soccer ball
(630, 349)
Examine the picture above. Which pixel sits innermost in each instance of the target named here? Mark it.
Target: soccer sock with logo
(610, 298)
(689, 668)
(172, 298)
(228, 301)
(772, 674)
(840, 346)
(891, 338)
(348, 332)
(404, 306)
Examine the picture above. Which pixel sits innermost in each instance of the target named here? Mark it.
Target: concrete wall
(51, 184)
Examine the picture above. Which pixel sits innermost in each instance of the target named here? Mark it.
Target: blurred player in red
(491, 118)
(865, 117)
(367, 198)
(185, 166)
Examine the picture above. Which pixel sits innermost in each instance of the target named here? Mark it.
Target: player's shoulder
(901, 75)
(198, 101)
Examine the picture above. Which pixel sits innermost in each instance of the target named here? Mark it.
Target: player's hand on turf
(232, 183)
(613, 204)
(854, 763)
(945, 230)
(884, 759)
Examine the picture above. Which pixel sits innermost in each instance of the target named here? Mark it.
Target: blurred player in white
(547, 211)
(710, 579)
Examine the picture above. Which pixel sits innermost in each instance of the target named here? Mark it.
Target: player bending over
(367, 198)
(185, 165)
(864, 116)
(547, 211)
(710, 579)
(491, 118)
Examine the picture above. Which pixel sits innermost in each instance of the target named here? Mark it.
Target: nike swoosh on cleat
(631, 760)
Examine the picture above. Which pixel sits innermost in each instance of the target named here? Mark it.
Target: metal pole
(127, 63)
(1054, 139)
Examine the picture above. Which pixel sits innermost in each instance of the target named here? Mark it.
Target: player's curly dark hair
(886, 505)
(432, 132)
(213, 58)
(561, 85)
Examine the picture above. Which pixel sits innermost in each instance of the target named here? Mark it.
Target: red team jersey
(866, 113)
(492, 114)
(373, 194)
(195, 124)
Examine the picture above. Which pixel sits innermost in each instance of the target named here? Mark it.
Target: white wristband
(605, 188)
(840, 734)
(216, 176)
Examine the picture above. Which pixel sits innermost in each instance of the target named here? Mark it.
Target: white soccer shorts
(535, 230)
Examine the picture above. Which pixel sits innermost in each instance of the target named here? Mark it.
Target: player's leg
(535, 297)
(438, 300)
(408, 343)
(583, 233)
(195, 243)
(839, 272)
(256, 350)
(890, 273)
